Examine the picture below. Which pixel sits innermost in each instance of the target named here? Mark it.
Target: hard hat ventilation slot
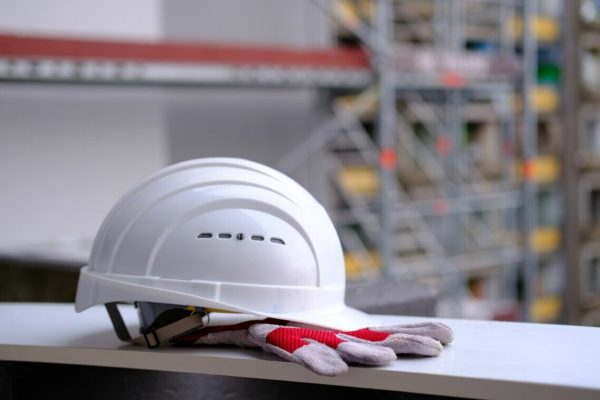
(240, 236)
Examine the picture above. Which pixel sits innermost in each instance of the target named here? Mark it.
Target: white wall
(298, 23)
(68, 152)
(106, 18)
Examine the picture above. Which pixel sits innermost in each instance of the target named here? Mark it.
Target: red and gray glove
(326, 352)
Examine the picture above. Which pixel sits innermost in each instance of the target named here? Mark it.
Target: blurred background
(455, 143)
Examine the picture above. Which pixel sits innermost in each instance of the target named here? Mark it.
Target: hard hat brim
(99, 288)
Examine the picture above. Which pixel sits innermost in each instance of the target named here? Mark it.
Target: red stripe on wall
(181, 52)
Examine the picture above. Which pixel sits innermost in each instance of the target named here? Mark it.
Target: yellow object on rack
(361, 264)
(541, 170)
(363, 104)
(546, 309)
(545, 29)
(544, 99)
(359, 180)
(351, 12)
(545, 240)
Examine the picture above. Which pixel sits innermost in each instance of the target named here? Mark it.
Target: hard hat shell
(222, 233)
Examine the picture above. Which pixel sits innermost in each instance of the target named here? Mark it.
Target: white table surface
(489, 360)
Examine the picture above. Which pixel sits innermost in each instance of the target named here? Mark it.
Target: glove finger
(315, 356)
(401, 343)
(365, 353)
(321, 359)
(435, 330)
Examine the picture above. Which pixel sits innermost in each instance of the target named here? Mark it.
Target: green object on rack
(548, 74)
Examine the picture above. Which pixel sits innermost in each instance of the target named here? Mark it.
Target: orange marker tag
(452, 79)
(387, 158)
(443, 145)
(528, 170)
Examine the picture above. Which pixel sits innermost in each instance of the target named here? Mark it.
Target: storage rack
(545, 265)
(398, 114)
(418, 203)
(581, 155)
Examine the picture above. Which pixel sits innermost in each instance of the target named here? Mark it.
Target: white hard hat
(222, 233)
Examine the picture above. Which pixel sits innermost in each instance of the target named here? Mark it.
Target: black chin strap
(117, 321)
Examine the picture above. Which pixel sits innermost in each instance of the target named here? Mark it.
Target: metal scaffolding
(408, 127)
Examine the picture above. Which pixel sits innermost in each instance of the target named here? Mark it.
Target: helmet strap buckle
(151, 339)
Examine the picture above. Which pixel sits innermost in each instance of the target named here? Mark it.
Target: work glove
(327, 352)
